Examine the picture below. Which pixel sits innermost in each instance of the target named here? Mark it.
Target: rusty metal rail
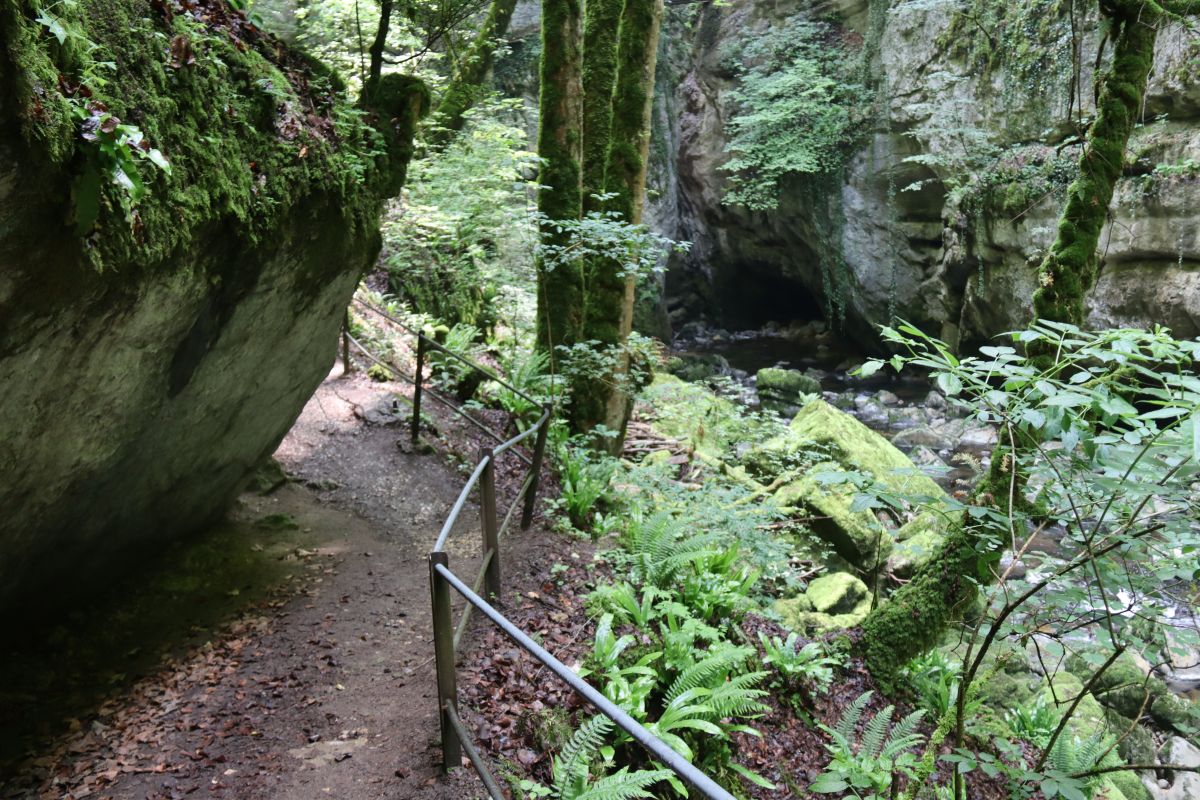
(446, 636)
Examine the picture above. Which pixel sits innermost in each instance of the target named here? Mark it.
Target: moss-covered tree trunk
(472, 70)
(560, 145)
(600, 29)
(1069, 269)
(609, 317)
(917, 615)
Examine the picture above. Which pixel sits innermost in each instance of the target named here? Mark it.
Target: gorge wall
(958, 88)
(155, 347)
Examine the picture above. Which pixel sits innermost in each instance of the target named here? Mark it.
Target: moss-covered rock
(857, 536)
(780, 389)
(855, 446)
(1124, 688)
(839, 593)
(1128, 785)
(831, 602)
(845, 444)
(165, 340)
(915, 543)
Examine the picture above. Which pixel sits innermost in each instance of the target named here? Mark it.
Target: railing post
(347, 367)
(491, 537)
(443, 654)
(416, 417)
(535, 469)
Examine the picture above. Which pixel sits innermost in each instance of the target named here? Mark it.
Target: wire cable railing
(446, 636)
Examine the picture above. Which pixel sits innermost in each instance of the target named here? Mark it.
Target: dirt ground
(315, 679)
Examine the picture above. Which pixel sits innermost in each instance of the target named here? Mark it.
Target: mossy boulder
(1124, 688)
(164, 341)
(1089, 719)
(1127, 785)
(831, 602)
(781, 389)
(915, 543)
(857, 536)
(694, 367)
(693, 414)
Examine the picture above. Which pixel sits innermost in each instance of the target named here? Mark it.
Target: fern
(709, 670)
(844, 732)
(868, 766)
(574, 762)
(621, 785)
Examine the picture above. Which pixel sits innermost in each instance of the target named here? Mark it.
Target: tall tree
(608, 317)
(914, 618)
(560, 145)
(471, 71)
(591, 301)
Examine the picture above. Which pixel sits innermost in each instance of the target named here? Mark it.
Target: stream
(903, 408)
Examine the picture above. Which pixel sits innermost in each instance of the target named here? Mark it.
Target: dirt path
(325, 688)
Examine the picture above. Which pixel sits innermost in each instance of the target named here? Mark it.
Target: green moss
(855, 446)
(856, 535)
(838, 593)
(785, 385)
(1069, 269)
(244, 144)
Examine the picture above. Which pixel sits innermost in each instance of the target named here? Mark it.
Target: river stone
(922, 436)
(787, 386)
(1186, 785)
(838, 593)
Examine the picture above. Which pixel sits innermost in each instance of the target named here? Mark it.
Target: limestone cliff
(185, 209)
(962, 88)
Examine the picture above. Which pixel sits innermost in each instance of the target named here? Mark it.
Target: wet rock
(1185, 785)
(922, 436)
(979, 437)
(1014, 568)
(785, 384)
(695, 367)
(935, 400)
(888, 398)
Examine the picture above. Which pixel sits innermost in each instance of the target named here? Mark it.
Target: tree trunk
(465, 87)
(1069, 270)
(608, 317)
(377, 47)
(600, 32)
(913, 620)
(560, 145)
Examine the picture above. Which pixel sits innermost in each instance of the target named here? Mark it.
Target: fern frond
(708, 672)
(903, 736)
(738, 696)
(576, 756)
(849, 721)
(624, 785)
(876, 733)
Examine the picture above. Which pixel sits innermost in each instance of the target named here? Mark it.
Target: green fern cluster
(578, 776)
(866, 766)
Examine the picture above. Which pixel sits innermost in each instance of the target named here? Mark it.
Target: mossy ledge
(249, 127)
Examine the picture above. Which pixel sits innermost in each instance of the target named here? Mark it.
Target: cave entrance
(749, 296)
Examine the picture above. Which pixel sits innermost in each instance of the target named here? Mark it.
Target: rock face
(150, 362)
(909, 231)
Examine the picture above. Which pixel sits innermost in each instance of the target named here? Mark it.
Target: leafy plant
(1035, 723)
(794, 112)
(573, 769)
(585, 479)
(866, 767)
(809, 664)
(935, 680)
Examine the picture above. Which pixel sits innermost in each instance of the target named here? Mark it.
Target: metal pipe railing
(440, 574)
(446, 637)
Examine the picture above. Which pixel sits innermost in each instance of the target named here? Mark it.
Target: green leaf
(55, 26)
(828, 784)
(868, 369)
(751, 776)
(949, 383)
